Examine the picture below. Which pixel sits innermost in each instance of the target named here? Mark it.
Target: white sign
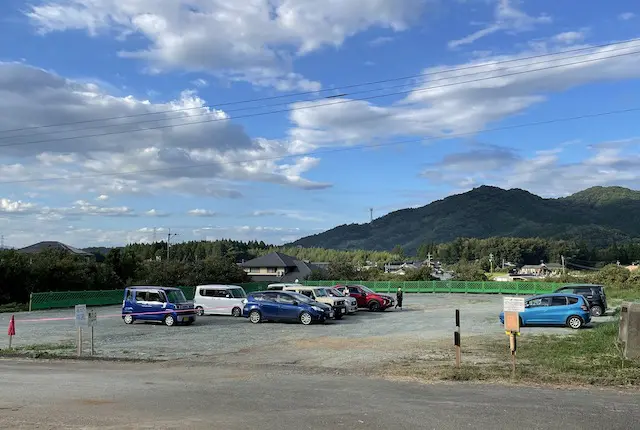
(82, 319)
(513, 304)
(92, 317)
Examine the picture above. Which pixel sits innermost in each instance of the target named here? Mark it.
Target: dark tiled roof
(300, 271)
(43, 246)
(275, 259)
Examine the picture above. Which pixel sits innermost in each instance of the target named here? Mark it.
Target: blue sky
(238, 170)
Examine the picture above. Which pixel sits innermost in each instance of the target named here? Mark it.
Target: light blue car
(555, 309)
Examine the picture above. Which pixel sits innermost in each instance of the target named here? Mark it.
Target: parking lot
(360, 340)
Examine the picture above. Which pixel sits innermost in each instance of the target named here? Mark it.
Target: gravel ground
(90, 395)
(357, 340)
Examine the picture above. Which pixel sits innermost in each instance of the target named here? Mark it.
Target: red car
(368, 298)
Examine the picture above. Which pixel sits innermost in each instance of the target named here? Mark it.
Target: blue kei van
(160, 304)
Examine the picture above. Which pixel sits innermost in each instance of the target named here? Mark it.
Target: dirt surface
(359, 341)
(173, 395)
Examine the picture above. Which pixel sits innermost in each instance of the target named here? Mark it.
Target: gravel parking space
(358, 340)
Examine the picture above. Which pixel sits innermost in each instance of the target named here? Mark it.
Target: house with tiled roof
(278, 267)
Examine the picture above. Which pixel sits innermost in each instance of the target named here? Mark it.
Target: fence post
(30, 300)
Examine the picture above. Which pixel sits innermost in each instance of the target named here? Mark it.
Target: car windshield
(367, 290)
(321, 292)
(237, 293)
(300, 297)
(175, 296)
(334, 293)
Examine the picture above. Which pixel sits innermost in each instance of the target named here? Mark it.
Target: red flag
(12, 327)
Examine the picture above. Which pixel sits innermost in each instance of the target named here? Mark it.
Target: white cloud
(543, 173)
(219, 154)
(102, 197)
(8, 206)
(507, 18)
(293, 214)
(382, 40)
(626, 16)
(156, 213)
(202, 212)
(238, 40)
(463, 100)
(570, 37)
(200, 83)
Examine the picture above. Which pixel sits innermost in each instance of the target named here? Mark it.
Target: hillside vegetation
(598, 216)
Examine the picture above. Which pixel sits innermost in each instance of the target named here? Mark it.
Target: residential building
(278, 267)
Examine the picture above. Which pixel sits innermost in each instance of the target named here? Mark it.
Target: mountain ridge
(597, 215)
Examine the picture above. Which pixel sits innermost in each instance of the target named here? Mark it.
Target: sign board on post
(91, 318)
(82, 319)
(513, 304)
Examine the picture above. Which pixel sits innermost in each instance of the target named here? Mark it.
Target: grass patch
(14, 307)
(587, 357)
(42, 350)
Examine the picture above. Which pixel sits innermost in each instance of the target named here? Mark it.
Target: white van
(219, 300)
(281, 286)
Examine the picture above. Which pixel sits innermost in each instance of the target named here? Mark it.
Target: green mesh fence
(65, 299)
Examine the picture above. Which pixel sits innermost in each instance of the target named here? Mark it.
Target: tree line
(196, 262)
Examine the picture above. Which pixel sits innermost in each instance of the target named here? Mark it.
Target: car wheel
(255, 317)
(305, 318)
(574, 321)
(169, 320)
(596, 311)
(199, 311)
(236, 312)
(128, 319)
(374, 306)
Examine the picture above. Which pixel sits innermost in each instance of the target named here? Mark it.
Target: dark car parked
(592, 292)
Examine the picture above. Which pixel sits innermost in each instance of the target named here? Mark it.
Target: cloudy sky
(275, 119)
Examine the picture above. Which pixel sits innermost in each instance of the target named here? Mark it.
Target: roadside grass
(14, 307)
(42, 350)
(590, 357)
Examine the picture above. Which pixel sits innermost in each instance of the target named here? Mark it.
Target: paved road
(91, 395)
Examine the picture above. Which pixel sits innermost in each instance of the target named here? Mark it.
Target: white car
(219, 300)
(352, 303)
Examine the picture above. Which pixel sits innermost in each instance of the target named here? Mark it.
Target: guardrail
(66, 299)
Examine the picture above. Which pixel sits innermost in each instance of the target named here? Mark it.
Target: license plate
(330, 314)
(343, 310)
(185, 319)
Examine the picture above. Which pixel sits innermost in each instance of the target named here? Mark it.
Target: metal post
(456, 339)
(30, 300)
(92, 349)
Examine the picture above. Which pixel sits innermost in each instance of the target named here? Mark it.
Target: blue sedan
(555, 309)
(284, 306)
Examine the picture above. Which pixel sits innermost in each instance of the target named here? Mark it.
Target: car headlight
(317, 308)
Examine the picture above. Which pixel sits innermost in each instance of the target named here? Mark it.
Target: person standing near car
(399, 295)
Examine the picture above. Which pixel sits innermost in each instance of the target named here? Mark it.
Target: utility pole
(429, 259)
(371, 214)
(169, 236)
(155, 238)
(563, 265)
(2, 241)
(491, 261)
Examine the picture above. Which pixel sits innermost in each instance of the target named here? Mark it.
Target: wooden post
(10, 339)
(513, 347)
(79, 341)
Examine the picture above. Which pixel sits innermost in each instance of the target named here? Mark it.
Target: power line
(311, 153)
(309, 107)
(415, 76)
(103, 126)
